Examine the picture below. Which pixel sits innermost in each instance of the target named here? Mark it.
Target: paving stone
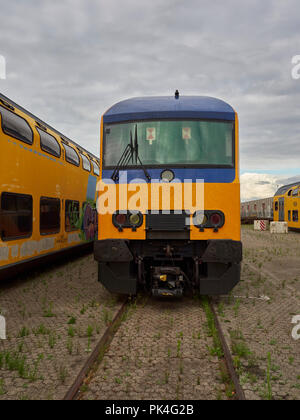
(37, 310)
(158, 368)
(270, 266)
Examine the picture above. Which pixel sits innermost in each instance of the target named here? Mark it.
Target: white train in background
(257, 210)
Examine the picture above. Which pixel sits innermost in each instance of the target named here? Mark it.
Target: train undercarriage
(168, 267)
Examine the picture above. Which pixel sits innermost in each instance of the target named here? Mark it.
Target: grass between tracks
(216, 349)
(131, 307)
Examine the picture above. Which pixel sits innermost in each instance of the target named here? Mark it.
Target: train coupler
(167, 281)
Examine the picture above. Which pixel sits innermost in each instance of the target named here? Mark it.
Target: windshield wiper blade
(124, 159)
(131, 151)
(137, 157)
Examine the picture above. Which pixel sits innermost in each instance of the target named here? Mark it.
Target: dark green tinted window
(173, 142)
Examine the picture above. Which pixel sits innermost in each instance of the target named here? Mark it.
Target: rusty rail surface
(105, 340)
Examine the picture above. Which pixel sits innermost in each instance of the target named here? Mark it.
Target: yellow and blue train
(47, 191)
(153, 148)
(286, 205)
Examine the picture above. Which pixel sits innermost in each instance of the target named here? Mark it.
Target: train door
(281, 209)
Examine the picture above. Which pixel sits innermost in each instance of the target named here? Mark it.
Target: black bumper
(118, 258)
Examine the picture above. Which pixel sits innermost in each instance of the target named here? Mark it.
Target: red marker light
(215, 219)
(121, 219)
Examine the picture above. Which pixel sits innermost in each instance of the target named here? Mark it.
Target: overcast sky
(70, 60)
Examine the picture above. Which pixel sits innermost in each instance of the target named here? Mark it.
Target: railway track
(158, 349)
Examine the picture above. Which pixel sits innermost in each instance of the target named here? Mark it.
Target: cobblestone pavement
(258, 331)
(54, 319)
(160, 352)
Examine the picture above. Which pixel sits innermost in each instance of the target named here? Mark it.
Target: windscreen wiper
(124, 159)
(137, 157)
(131, 151)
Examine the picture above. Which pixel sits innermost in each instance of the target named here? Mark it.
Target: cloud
(257, 185)
(69, 61)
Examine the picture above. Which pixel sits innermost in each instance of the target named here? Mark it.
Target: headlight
(200, 218)
(134, 219)
(127, 220)
(167, 175)
(209, 219)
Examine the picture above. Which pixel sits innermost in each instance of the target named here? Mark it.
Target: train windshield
(191, 142)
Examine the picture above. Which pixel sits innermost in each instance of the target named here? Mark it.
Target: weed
(24, 332)
(178, 348)
(52, 340)
(107, 316)
(240, 349)
(62, 374)
(236, 307)
(83, 310)
(221, 309)
(212, 329)
(71, 332)
(2, 390)
(48, 313)
(90, 330)
(167, 375)
(269, 388)
(41, 330)
(70, 346)
(72, 321)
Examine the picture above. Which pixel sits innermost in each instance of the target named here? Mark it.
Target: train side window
(49, 215)
(96, 168)
(49, 143)
(15, 126)
(289, 215)
(16, 216)
(276, 205)
(295, 215)
(290, 193)
(85, 163)
(71, 155)
(71, 215)
(295, 192)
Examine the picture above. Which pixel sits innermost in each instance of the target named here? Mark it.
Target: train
(261, 209)
(48, 191)
(155, 232)
(286, 205)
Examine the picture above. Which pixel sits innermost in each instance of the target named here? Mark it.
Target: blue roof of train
(282, 190)
(157, 107)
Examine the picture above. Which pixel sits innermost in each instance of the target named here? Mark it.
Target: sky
(67, 61)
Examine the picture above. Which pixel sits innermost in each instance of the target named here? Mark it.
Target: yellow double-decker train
(154, 232)
(47, 187)
(286, 205)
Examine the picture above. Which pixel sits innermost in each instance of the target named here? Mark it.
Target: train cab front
(155, 232)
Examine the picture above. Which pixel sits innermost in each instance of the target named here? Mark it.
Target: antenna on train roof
(177, 94)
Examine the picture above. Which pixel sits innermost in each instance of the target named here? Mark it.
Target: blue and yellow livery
(160, 152)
